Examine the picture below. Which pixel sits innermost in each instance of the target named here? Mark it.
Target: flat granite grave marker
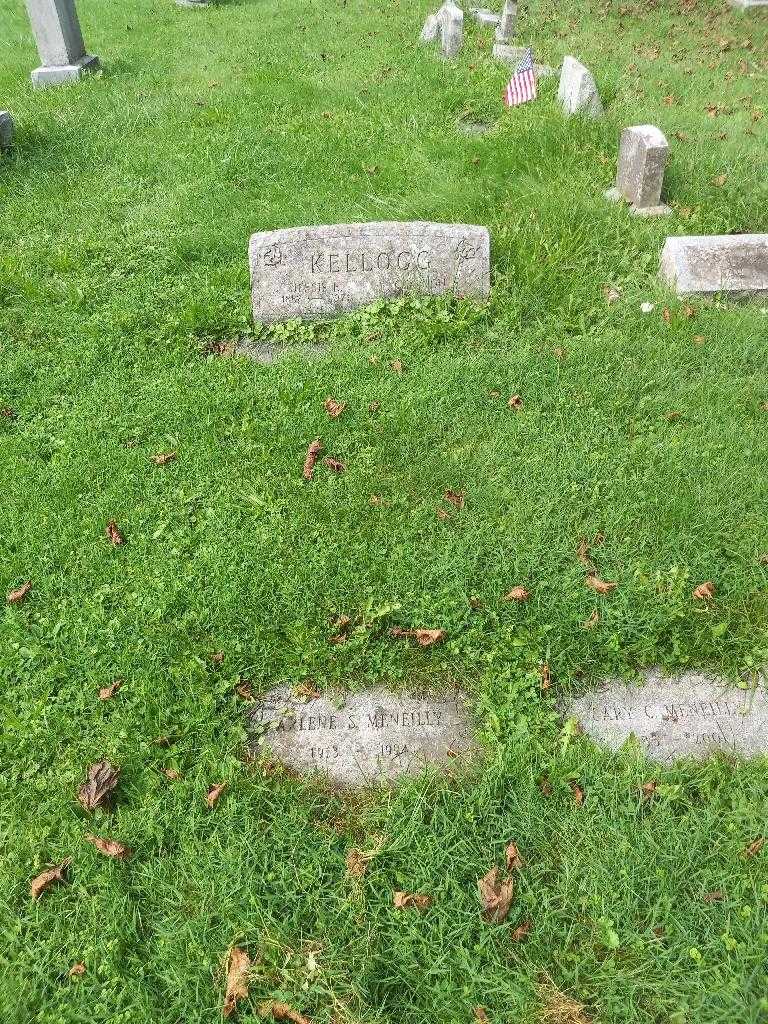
(643, 153)
(59, 42)
(373, 736)
(6, 130)
(735, 266)
(512, 55)
(691, 715)
(316, 272)
(577, 91)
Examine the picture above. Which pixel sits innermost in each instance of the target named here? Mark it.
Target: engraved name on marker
(691, 715)
(317, 272)
(372, 736)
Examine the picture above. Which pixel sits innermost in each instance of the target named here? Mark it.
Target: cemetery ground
(126, 205)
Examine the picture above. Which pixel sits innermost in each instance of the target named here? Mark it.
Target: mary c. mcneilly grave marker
(372, 736)
(317, 272)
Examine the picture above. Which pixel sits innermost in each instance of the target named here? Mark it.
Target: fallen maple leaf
(76, 971)
(163, 458)
(517, 594)
(114, 535)
(214, 793)
(515, 402)
(238, 965)
(495, 895)
(282, 1011)
(100, 781)
(579, 795)
(410, 900)
(455, 498)
(522, 931)
(513, 858)
(424, 637)
(599, 586)
(704, 592)
(755, 847)
(109, 847)
(313, 454)
(18, 595)
(592, 621)
(335, 465)
(334, 408)
(47, 878)
(109, 691)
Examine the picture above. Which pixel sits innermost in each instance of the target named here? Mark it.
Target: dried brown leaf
(163, 458)
(582, 552)
(49, 877)
(704, 592)
(720, 180)
(480, 1015)
(238, 965)
(282, 1011)
(592, 621)
(396, 366)
(99, 784)
(495, 895)
(424, 637)
(114, 535)
(307, 690)
(334, 408)
(611, 294)
(18, 595)
(517, 594)
(522, 930)
(76, 971)
(513, 858)
(559, 1008)
(545, 786)
(335, 465)
(755, 847)
(713, 897)
(313, 454)
(172, 774)
(214, 793)
(515, 402)
(244, 689)
(455, 498)
(109, 847)
(109, 691)
(648, 789)
(545, 676)
(579, 795)
(410, 900)
(600, 586)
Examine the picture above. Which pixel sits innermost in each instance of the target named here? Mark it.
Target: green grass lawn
(125, 210)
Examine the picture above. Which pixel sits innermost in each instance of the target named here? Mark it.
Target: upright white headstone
(578, 91)
(451, 28)
(6, 129)
(506, 26)
(59, 43)
(643, 153)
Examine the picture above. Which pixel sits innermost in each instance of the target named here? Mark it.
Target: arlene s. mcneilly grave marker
(691, 715)
(318, 272)
(371, 736)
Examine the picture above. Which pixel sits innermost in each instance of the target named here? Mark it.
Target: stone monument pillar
(6, 129)
(59, 43)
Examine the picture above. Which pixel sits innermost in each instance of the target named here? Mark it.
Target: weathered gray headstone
(643, 153)
(578, 91)
(316, 272)
(512, 55)
(484, 16)
(59, 43)
(506, 27)
(733, 265)
(673, 717)
(747, 5)
(369, 737)
(431, 29)
(192, 3)
(451, 28)
(6, 129)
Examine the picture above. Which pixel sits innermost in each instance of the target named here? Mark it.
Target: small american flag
(522, 85)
